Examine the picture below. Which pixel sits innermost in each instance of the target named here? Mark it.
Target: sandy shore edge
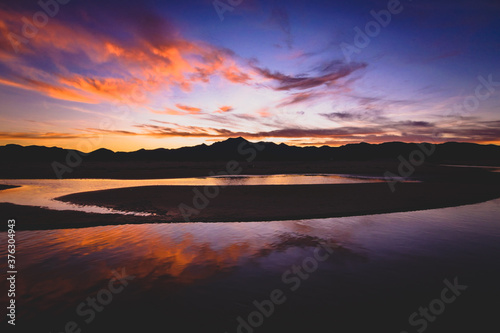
(6, 187)
(282, 202)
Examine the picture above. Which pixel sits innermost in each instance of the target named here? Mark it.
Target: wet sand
(441, 187)
(6, 187)
(282, 202)
(36, 218)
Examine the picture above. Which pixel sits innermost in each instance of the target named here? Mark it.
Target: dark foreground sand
(443, 187)
(273, 202)
(36, 218)
(6, 187)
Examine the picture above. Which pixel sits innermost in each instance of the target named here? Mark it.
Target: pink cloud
(110, 69)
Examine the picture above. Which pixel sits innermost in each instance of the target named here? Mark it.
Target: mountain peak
(231, 141)
(238, 139)
(102, 150)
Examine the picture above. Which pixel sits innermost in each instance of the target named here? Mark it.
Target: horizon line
(255, 142)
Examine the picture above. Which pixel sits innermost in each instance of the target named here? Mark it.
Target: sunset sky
(126, 75)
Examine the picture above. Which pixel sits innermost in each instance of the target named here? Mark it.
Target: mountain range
(228, 150)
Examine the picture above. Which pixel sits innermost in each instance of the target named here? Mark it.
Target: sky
(126, 75)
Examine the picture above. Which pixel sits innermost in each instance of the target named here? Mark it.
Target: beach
(251, 203)
(6, 187)
(283, 202)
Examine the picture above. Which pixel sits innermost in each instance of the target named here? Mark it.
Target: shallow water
(41, 192)
(201, 277)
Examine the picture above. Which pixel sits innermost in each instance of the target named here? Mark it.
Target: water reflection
(202, 276)
(60, 268)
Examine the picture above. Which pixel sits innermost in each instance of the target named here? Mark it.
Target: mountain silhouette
(228, 150)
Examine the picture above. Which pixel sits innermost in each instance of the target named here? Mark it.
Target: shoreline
(280, 202)
(257, 203)
(6, 187)
(45, 217)
(240, 203)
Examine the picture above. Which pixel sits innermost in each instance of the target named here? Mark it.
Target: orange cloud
(235, 75)
(480, 132)
(223, 109)
(413, 132)
(168, 111)
(105, 88)
(264, 112)
(183, 110)
(189, 109)
(38, 135)
(57, 92)
(91, 66)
